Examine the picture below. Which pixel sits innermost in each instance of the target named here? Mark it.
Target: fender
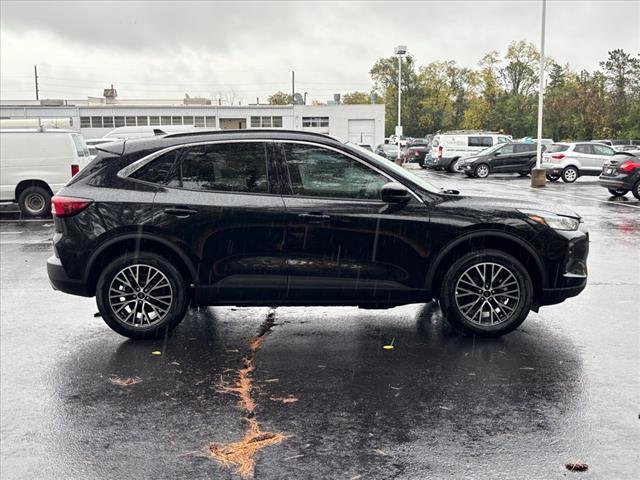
(142, 236)
(483, 233)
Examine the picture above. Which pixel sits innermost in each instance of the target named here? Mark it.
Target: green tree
(280, 98)
(356, 98)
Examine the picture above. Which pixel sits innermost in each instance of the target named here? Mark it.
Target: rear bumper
(625, 183)
(60, 281)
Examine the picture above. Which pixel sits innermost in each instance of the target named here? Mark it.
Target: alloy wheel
(482, 171)
(570, 175)
(487, 294)
(140, 296)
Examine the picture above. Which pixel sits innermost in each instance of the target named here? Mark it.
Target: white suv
(572, 160)
(447, 149)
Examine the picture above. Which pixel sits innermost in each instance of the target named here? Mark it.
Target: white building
(95, 117)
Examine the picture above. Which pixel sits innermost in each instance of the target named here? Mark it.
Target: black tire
(454, 281)
(35, 202)
(552, 178)
(482, 170)
(469, 174)
(636, 190)
(108, 281)
(570, 174)
(453, 166)
(524, 174)
(618, 192)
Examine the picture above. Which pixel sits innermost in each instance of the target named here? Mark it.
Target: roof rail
(244, 130)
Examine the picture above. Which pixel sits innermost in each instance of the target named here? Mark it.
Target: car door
(584, 155)
(343, 243)
(521, 159)
(601, 153)
(220, 202)
(502, 159)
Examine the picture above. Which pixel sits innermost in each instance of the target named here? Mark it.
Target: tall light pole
(399, 51)
(538, 174)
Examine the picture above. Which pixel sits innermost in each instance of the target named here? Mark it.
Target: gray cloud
(165, 49)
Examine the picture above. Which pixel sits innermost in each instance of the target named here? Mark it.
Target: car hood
(498, 204)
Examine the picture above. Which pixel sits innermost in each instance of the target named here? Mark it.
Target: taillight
(417, 153)
(628, 166)
(74, 169)
(439, 151)
(68, 206)
(557, 156)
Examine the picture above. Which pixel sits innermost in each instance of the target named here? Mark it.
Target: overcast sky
(167, 49)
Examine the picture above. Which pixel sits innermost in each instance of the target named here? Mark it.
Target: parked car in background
(627, 148)
(388, 151)
(447, 149)
(416, 152)
(259, 218)
(612, 142)
(621, 174)
(366, 146)
(544, 141)
(572, 160)
(512, 157)
(34, 164)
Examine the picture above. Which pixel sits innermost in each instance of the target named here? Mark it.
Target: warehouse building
(95, 117)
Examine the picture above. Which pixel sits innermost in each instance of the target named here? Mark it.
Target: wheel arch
(138, 242)
(495, 240)
(24, 184)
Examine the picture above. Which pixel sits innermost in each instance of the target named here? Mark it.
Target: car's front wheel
(620, 192)
(141, 296)
(636, 190)
(570, 174)
(482, 171)
(486, 293)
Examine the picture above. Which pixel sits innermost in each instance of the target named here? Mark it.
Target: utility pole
(399, 51)
(293, 85)
(35, 73)
(538, 174)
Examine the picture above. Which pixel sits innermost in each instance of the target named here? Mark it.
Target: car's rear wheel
(35, 202)
(486, 293)
(636, 190)
(618, 192)
(570, 174)
(141, 296)
(552, 178)
(482, 171)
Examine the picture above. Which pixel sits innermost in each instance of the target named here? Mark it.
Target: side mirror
(495, 154)
(393, 192)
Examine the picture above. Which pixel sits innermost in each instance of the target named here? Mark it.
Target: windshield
(397, 169)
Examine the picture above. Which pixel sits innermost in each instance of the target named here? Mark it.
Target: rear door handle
(314, 217)
(180, 212)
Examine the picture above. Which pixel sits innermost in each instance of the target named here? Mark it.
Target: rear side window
(158, 170)
(524, 147)
(230, 167)
(507, 149)
(583, 148)
(479, 141)
(554, 148)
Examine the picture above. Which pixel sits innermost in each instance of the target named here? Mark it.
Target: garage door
(362, 131)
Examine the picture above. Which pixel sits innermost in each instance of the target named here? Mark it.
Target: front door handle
(180, 212)
(314, 217)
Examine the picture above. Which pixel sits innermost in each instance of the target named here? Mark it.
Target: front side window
(602, 149)
(224, 167)
(318, 172)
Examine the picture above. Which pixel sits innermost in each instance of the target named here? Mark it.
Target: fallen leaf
(124, 382)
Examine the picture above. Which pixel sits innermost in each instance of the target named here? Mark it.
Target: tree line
(501, 94)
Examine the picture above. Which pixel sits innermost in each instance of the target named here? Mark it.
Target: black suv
(502, 158)
(275, 217)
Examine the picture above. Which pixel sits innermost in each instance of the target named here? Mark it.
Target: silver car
(572, 160)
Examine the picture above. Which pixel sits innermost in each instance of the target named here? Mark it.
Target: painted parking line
(547, 192)
(11, 233)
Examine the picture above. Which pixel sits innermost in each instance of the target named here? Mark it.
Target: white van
(447, 149)
(34, 164)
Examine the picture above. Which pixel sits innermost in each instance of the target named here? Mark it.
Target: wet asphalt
(563, 387)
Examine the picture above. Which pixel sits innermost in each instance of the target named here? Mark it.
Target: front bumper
(59, 279)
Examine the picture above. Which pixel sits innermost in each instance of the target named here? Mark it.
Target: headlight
(557, 222)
